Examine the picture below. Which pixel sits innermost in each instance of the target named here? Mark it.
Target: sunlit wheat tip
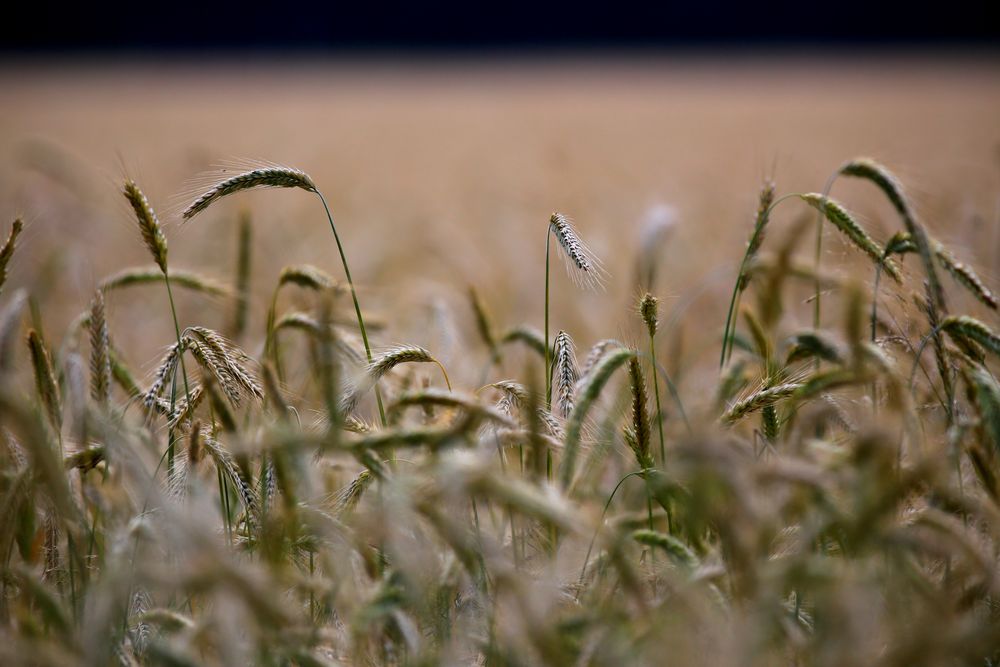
(272, 177)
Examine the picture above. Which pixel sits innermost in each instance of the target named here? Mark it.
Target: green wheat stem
(548, 378)
(607, 505)
(656, 395)
(819, 252)
(727, 337)
(357, 306)
(187, 391)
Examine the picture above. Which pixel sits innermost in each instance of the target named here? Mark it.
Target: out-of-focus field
(443, 175)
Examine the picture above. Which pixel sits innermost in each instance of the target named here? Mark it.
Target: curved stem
(444, 373)
(354, 297)
(586, 559)
(920, 350)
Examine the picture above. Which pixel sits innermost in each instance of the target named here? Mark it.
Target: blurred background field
(442, 172)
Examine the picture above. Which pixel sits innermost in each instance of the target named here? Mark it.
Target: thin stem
(187, 391)
(819, 251)
(548, 377)
(444, 373)
(357, 306)
(659, 411)
(727, 337)
(673, 394)
(607, 504)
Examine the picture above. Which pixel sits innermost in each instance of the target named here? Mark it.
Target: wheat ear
(8, 250)
(270, 177)
(100, 358)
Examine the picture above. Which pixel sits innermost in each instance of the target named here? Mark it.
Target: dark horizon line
(567, 49)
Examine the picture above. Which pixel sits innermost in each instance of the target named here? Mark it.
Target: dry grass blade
(271, 177)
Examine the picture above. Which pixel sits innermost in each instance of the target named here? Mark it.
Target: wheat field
(583, 362)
